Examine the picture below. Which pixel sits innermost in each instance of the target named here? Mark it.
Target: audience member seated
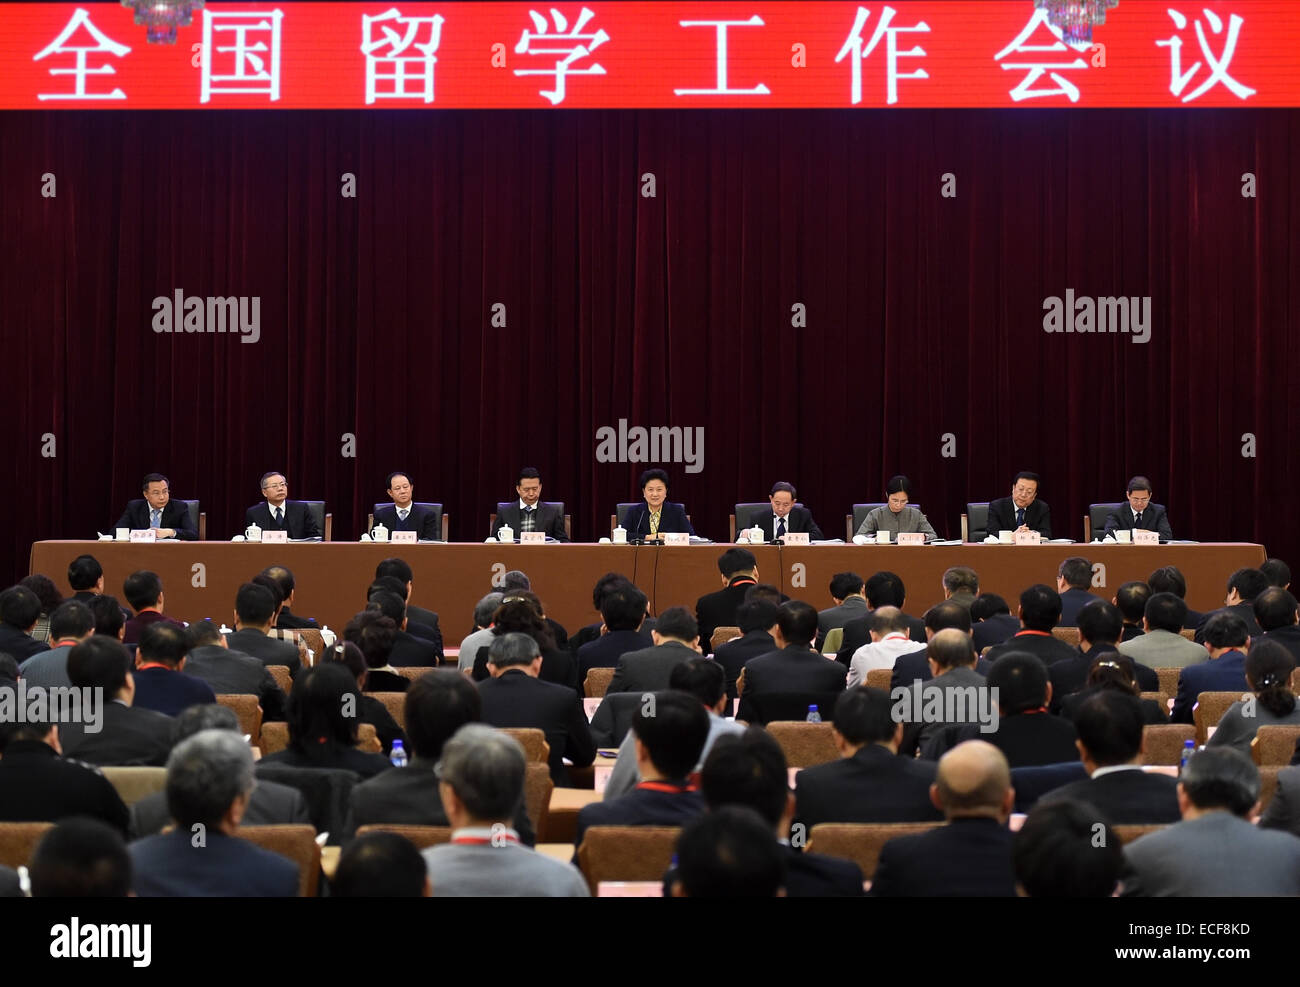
(110, 618)
(209, 782)
(324, 711)
(1277, 572)
(889, 640)
(144, 592)
(1057, 853)
(286, 619)
(86, 577)
(159, 684)
(1073, 580)
(408, 651)
(1112, 670)
(49, 596)
(912, 666)
(70, 624)
(623, 611)
(254, 613)
(127, 735)
(1214, 851)
(1170, 579)
(971, 855)
(1162, 646)
(992, 622)
(794, 668)
(1276, 614)
(1040, 611)
(20, 609)
(591, 632)
(1243, 586)
(369, 709)
(423, 623)
(1131, 599)
(870, 783)
(739, 571)
(848, 594)
(957, 694)
(1283, 810)
(676, 640)
(521, 613)
(1226, 641)
(1268, 675)
(757, 618)
(883, 589)
(725, 854)
(1027, 734)
(380, 865)
(228, 672)
(374, 635)
(1110, 746)
(481, 783)
(481, 636)
(517, 584)
(81, 858)
(1099, 624)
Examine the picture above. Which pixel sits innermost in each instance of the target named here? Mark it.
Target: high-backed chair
(1274, 744)
(861, 842)
(414, 672)
(324, 522)
(1094, 522)
(249, 713)
(298, 843)
(422, 836)
(879, 678)
(134, 782)
(18, 841)
(1131, 832)
(440, 520)
(1070, 635)
(742, 519)
(626, 853)
(975, 522)
(1164, 742)
(395, 703)
(852, 522)
(275, 737)
(502, 505)
(721, 635)
(597, 682)
(538, 788)
(620, 513)
(197, 517)
(806, 745)
(282, 677)
(1169, 679)
(1209, 710)
(533, 741)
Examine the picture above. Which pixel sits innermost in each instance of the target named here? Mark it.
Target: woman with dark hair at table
(655, 515)
(1112, 670)
(1268, 673)
(521, 612)
(323, 715)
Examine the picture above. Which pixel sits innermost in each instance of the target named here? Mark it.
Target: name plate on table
(676, 538)
(409, 537)
(144, 534)
(1146, 537)
(532, 538)
(796, 538)
(911, 538)
(1028, 538)
(275, 537)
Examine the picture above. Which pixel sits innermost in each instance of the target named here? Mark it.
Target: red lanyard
(662, 786)
(497, 840)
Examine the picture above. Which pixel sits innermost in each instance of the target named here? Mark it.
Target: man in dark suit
(1110, 746)
(1131, 598)
(1027, 734)
(423, 623)
(755, 620)
(1073, 579)
(530, 512)
(1276, 613)
(169, 518)
(403, 514)
(794, 669)
(1040, 610)
(870, 783)
(914, 665)
(1099, 629)
(20, 608)
(991, 621)
(408, 650)
(1140, 514)
(209, 782)
(144, 591)
(1022, 511)
(848, 593)
(655, 516)
(1243, 586)
(623, 612)
(159, 684)
(124, 734)
(784, 516)
(739, 571)
(37, 784)
(86, 577)
(285, 619)
(254, 611)
(516, 697)
(1226, 640)
(676, 640)
(278, 513)
(1168, 579)
(883, 589)
(970, 856)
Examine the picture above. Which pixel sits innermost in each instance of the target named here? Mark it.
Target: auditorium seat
(806, 745)
(414, 672)
(282, 677)
(1164, 742)
(861, 842)
(275, 738)
(597, 682)
(249, 713)
(533, 741)
(538, 787)
(395, 703)
(1169, 680)
(975, 522)
(1209, 710)
(834, 638)
(1274, 745)
(134, 783)
(1268, 784)
(721, 635)
(1094, 522)
(422, 836)
(324, 522)
(626, 853)
(298, 843)
(18, 841)
(1131, 832)
(880, 678)
(1070, 635)
(1188, 633)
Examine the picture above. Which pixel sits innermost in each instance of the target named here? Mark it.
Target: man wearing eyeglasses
(279, 513)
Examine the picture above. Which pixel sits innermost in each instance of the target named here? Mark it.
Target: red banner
(553, 54)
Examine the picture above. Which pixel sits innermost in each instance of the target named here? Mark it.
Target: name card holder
(911, 538)
(1028, 538)
(676, 538)
(275, 537)
(407, 537)
(1146, 537)
(144, 534)
(532, 538)
(797, 538)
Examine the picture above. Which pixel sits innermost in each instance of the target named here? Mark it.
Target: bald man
(970, 855)
(955, 695)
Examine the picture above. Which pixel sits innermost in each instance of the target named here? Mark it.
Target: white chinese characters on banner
(404, 76)
(572, 46)
(247, 66)
(1039, 65)
(722, 88)
(1178, 79)
(103, 45)
(853, 46)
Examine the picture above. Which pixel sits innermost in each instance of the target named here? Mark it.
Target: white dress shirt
(880, 654)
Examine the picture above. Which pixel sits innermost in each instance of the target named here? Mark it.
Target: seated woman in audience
(374, 634)
(370, 710)
(1112, 670)
(321, 733)
(521, 612)
(50, 598)
(1268, 673)
(656, 515)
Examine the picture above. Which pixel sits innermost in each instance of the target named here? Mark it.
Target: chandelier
(1076, 18)
(163, 17)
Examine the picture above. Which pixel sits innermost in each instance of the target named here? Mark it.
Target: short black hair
(673, 728)
(781, 486)
(604, 585)
(19, 607)
(438, 704)
(864, 715)
(388, 480)
(1109, 724)
(1040, 607)
(988, 605)
(845, 584)
(390, 605)
(374, 633)
(1100, 623)
(947, 614)
(677, 622)
(397, 568)
(1056, 853)
(735, 560)
(764, 591)
(757, 615)
(729, 853)
(1027, 475)
(1020, 680)
(142, 589)
(71, 619)
(1168, 579)
(898, 484)
(654, 474)
(1165, 612)
(1274, 608)
(202, 633)
(81, 858)
(1131, 598)
(798, 622)
(99, 662)
(1277, 572)
(1077, 572)
(885, 589)
(382, 864)
(262, 579)
(747, 769)
(527, 473)
(1248, 583)
(703, 678)
(153, 478)
(45, 590)
(623, 608)
(254, 604)
(1225, 630)
(1138, 483)
(388, 584)
(84, 572)
(109, 619)
(164, 643)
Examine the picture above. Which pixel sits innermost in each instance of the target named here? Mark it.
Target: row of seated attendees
(1066, 722)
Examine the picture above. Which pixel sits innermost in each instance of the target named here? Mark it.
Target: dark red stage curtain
(924, 313)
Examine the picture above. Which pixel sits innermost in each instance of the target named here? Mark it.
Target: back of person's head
(1077, 572)
(511, 648)
(677, 623)
(845, 584)
(951, 648)
(1131, 598)
(254, 605)
(763, 591)
(673, 729)
(163, 643)
(1224, 629)
(1056, 853)
(1268, 670)
(273, 587)
(391, 605)
(207, 716)
(1168, 579)
(515, 580)
(319, 702)
(885, 589)
(865, 716)
(282, 578)
(349, 656)
(1112, 670)
(485, 608)
(1020, 680)
(438, 704)
(736, 560)
(729, 853)
(99, 663)
(80, 858)
(948, 614)
(379, 865)
(1109, 724)
(45, 590)
(394, 568)
(1277, 572)
(623, 608)
(108, 615)
(747, 769)
(757, 615)
(702, 678)
(1221, 778)
(84, 572)
(604, 584)
(205, 774)
(798, 623)
(387, 584)
(973, 779)
(374, 634)
(485, 768)
(201, 634)
(1100, 623)
(522, 614)
(1040, 607)
(988, 605)
(142, 589)
(1274, 608)
(961, 579)
(887, 620)
(1248, 583)
(1165, 612)
(71, 619)
(19, 607)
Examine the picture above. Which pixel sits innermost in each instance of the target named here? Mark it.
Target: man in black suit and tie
(991, 621)
(1040, 611)
(676, 640)
(403, 514)
(622, 611)
(1169, 579)
(424, 622)
(530, 512)
(170, 519)
(1226, 640)
(278, 513)
(1243, 586)
(126, 735)
(970, 856)
(1110, 746)
(1099, 629)
(1140, 514)
(1027, 733)
(915, 665)
(883, 589)
(254, 611)
(756, 619)
(20, 608)
(785, 516)
(870, 783)
(1131, 598)
(38, 784)
(86, 577)
(1276, 613)
(1022, 511)
(739, 571)
(1073, 580)
(655, 515)
(795, 670)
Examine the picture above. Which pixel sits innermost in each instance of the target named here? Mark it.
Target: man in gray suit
(254, 613)
(1161, 644)
(231, 672)
(962, 696)
(848, 590)
(1215, 851)
(70, 624)
(896, 517)
(676, 639)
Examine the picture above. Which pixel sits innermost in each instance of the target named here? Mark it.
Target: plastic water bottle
(813, 715)
(398, 756)
(1189, 748)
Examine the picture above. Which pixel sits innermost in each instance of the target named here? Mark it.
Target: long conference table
(200, 579)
